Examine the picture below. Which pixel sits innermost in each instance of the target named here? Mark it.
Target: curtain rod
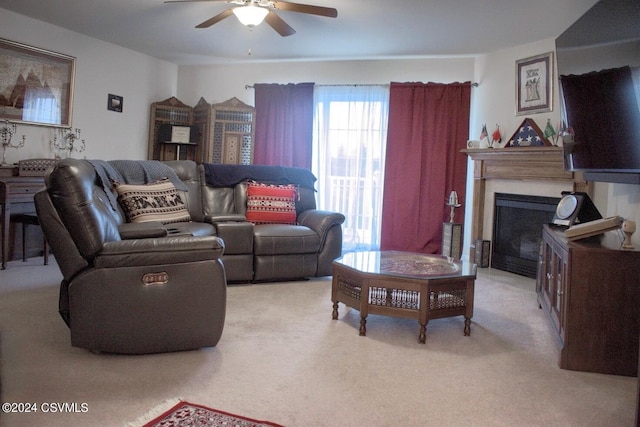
(247, 87)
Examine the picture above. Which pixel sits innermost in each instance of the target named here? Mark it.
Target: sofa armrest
(320, 221)
(159, 251)
(142, 230)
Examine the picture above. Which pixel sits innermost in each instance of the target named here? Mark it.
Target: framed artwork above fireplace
(534, 84)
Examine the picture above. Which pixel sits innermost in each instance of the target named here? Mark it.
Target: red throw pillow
(271, 204)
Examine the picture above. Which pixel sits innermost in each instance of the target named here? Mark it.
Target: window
(349, 142)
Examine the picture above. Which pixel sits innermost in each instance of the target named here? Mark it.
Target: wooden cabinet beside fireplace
(590, 290)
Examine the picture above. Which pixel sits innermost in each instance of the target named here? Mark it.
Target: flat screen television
(598, 61)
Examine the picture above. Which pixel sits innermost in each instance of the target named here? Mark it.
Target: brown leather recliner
(148, 293)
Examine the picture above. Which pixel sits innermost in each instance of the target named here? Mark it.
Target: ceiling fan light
(250, 15)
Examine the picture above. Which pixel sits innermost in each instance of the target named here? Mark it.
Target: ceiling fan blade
(329, 12)
(278, 24)
(194, 1)
(219, 17)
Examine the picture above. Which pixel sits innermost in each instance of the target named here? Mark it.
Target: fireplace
(539, 169)
(517, 231)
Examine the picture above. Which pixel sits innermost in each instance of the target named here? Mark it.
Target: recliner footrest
(280, 239)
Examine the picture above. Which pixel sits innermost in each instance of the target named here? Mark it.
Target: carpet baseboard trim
(154, 413)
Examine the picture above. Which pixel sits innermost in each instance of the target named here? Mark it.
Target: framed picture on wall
(534, 84)
(115, 103)
(36, 85)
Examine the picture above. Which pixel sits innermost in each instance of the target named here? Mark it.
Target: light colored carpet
(281, 358)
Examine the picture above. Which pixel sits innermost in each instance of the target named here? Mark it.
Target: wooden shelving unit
(171, 111)
(202, 121)
(233, 124)
(220, 133)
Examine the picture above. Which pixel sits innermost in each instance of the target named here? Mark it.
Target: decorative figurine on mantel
(551, 134)
(484, 134)
(554, 134)
(6, 132)
(496, 136)
(453, 203)
(494, 139)
(68, 141)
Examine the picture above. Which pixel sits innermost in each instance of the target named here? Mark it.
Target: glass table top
(407, 264)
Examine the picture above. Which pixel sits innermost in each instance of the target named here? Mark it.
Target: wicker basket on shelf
(35, 167)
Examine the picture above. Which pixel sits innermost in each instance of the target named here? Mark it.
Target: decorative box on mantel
(528, 134)
(516, 163)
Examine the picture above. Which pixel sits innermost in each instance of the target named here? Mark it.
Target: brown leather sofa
(265, 252)
(269, 252)
(129, 288)
(112, 295)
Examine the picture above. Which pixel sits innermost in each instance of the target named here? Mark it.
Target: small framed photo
(534, 84)
(114, 103)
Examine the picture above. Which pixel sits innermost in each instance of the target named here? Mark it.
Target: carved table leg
(334, 315)
(467, 326)
(422, 337)
(363, 326)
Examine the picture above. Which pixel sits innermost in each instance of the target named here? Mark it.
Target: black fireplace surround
(517, 231)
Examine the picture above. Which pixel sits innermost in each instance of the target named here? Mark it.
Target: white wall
(218, 83)
(101, 68)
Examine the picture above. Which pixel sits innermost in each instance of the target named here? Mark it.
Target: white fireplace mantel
(519, 164)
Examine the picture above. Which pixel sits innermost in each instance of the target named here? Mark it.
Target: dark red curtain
(284, 125)
(428, 126)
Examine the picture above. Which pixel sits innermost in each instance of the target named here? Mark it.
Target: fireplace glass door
(517, 231)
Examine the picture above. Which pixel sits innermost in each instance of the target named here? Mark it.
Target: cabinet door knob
(560, 293)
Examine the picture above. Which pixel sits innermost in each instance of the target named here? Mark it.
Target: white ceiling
(364, 29)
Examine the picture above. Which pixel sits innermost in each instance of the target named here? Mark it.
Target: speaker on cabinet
(575, 208)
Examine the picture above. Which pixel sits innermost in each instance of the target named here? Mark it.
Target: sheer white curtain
(349, 142)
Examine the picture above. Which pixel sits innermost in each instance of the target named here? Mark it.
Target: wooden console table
(590, 289)
(16, 196)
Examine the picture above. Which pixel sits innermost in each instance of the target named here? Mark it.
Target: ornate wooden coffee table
(404, 284)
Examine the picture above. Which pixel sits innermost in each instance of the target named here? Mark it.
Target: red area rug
(191, 414)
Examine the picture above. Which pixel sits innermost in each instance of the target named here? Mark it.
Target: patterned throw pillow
(156, 201)
(271, 204)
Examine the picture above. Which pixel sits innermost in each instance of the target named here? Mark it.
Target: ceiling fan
(253, 12)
